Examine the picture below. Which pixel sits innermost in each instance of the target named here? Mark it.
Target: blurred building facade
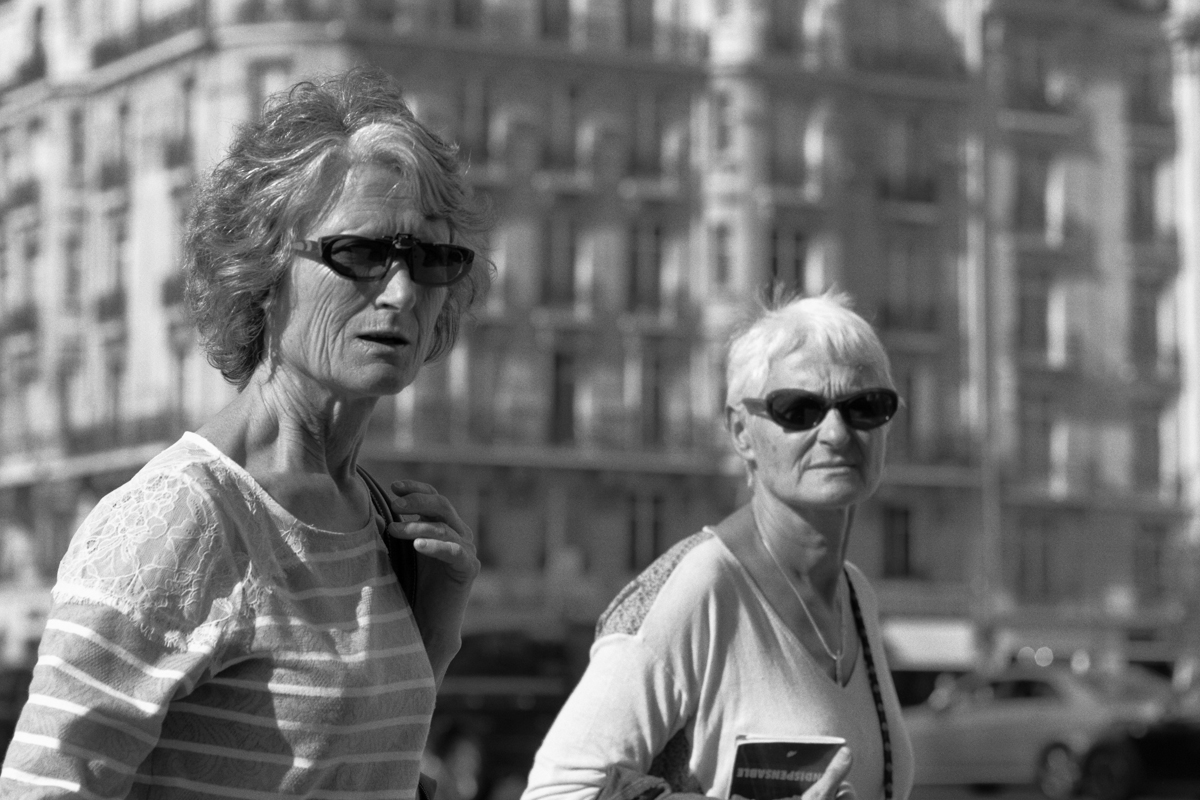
(995, 181)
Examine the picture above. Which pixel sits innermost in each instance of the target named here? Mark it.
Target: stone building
(993, 180)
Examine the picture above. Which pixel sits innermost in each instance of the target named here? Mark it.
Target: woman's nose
(833, 427)
(397, 290)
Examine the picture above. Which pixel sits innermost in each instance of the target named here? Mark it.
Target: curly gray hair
(282, 173)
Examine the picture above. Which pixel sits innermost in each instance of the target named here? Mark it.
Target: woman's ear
(739, 433)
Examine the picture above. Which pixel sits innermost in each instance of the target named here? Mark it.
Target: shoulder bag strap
(401, 552)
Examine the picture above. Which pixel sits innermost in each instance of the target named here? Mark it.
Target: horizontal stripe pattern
(203, 643)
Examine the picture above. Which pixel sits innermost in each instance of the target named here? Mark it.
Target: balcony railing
(905, 318)
(579, 31)
(145, 34)
(162, 427)
(907, 189)
(19, 319)
(292, 10)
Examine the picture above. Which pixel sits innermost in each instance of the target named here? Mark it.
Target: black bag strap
(401, 552)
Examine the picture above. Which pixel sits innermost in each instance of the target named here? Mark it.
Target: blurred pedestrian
(757, 625)
(229, 622)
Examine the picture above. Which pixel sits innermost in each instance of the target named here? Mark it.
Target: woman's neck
(276, 425)
(809, 543)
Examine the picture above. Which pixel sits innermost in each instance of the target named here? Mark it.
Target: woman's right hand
(833, 784)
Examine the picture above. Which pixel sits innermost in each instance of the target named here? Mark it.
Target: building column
(1186, 34)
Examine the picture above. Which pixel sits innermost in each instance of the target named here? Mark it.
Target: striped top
(205, 643)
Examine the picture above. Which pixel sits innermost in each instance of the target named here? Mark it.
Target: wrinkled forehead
(821, 361)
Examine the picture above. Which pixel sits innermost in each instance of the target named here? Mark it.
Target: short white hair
(823, 324)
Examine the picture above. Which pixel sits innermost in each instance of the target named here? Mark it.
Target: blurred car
(1160, 757)
(14, 690)
(1024, 725)
(500, 695)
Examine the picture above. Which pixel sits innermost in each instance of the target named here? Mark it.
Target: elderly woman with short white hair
(755, 626)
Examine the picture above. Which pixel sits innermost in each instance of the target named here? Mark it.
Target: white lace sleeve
(156, 551)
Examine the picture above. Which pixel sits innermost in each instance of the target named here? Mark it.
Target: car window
(1022, 689)
(1035, 690)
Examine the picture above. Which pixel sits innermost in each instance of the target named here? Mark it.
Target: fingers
(416, 503)
(832, 785)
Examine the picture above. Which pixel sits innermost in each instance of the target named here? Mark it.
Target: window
(564, 122)
(73, 273)
(123, 133)
(897, 542)
(788, 133)
(114, 380)
(647, 514)
(485, 510)
(556, 19)
(1147, 448)
(789, 256)
(783, 28)
(1143, 328)
(119, 253)
(911, 261)
(562, 401)
(560, 251)
(639, 24)
(1030, 212)
(1143, 193)
(1033, 314)
(474, 118)
(647, 134)
(1036, 428)
(1150, 561)
(1039, 548)
(654, 391)
(264, 79)
(722, 122)
(1035, 79)
(906, 169)
(467, 14)
(1148, 92)
(645, 266)
(721, 258)
(76, 142)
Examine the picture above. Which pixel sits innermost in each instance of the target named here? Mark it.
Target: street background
(1008, 188)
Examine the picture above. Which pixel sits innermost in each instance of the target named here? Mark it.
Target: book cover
(770, 767)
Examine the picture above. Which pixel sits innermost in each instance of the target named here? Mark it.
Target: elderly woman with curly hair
(230, 622)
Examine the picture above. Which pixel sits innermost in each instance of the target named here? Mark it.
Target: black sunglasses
(359, 258)
(798, 410)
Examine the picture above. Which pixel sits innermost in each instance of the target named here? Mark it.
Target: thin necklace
(836, 656)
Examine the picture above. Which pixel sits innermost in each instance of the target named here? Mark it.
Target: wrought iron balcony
(147, 33)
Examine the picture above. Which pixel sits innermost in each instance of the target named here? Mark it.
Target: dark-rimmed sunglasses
(798, 410)
(359, 258)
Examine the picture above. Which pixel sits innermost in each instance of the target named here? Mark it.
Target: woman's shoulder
(156, 544)
(678, 581)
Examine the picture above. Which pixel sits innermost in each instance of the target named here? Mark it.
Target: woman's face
(829, 466)
(359, 339)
